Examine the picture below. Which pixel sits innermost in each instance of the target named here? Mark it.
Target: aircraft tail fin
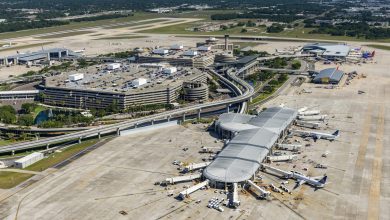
(323, 180)
(336, 133)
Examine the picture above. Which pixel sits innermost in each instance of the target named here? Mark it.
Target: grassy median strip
(11, 179)
(57, 157)
(121, 37)
(69, 34)
(139, 23)
(25, 46)
(266, 94)
(138, 16)
(378, 46)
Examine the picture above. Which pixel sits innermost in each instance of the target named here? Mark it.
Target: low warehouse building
(28, 160)
(254, 136)
(329, 76)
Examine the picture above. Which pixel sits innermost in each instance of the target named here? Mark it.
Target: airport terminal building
(39, 56)
(327, 51)
(252, 138)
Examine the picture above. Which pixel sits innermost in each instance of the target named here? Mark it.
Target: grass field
(16, 154)
(60, 156)
(5, 87)
(5, 142)
(262, 96)
(137, 24)
(76, 25)
(120, 37)
(377, 46)
(244, 44)
(298, 32)
(70, 34)
(25, 46)
(11, 179)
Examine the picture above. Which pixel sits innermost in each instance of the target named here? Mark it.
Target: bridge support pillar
(47, 146)
(228, 109)
(79, 140)
(152, 122)
(199, 113)
(13, 152)
(168, 118)
(136, 125)
(118, 132)
(184, 117)
(250, 99)
(99, 136)
(36, 137)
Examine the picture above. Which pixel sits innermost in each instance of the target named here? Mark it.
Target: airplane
(284, 52)
(317, 182)
(80, 51)
(317, 135)
(367, 54)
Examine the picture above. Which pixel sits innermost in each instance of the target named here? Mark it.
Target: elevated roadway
(242, 89)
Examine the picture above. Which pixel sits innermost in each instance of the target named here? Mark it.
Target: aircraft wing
(299, 183)
(316, 137)
(317, 177)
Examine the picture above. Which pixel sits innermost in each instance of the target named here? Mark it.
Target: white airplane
(80, 51)
(317, 135)
(317, 182)
(285, 52)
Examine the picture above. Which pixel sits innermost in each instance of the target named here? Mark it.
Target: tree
(23, 136)
(244, 30)
(224, 27)
(27, 108)
(7, 114)
(275, 28)
(26, 120)
(250, 24)
(296, 64)
(10, 136)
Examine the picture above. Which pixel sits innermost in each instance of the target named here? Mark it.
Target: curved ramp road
(241, 98)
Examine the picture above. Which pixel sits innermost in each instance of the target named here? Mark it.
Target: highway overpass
(242, 89)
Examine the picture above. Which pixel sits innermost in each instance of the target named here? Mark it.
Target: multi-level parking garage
(252, 138)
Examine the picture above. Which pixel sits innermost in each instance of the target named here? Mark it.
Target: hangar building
(329, 76)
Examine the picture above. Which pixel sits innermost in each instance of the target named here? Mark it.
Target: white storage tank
(190, 53)
(138, 82)
(170, 70)
(113, 66)
(160, 51)
(28, 160)
(76, 77)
